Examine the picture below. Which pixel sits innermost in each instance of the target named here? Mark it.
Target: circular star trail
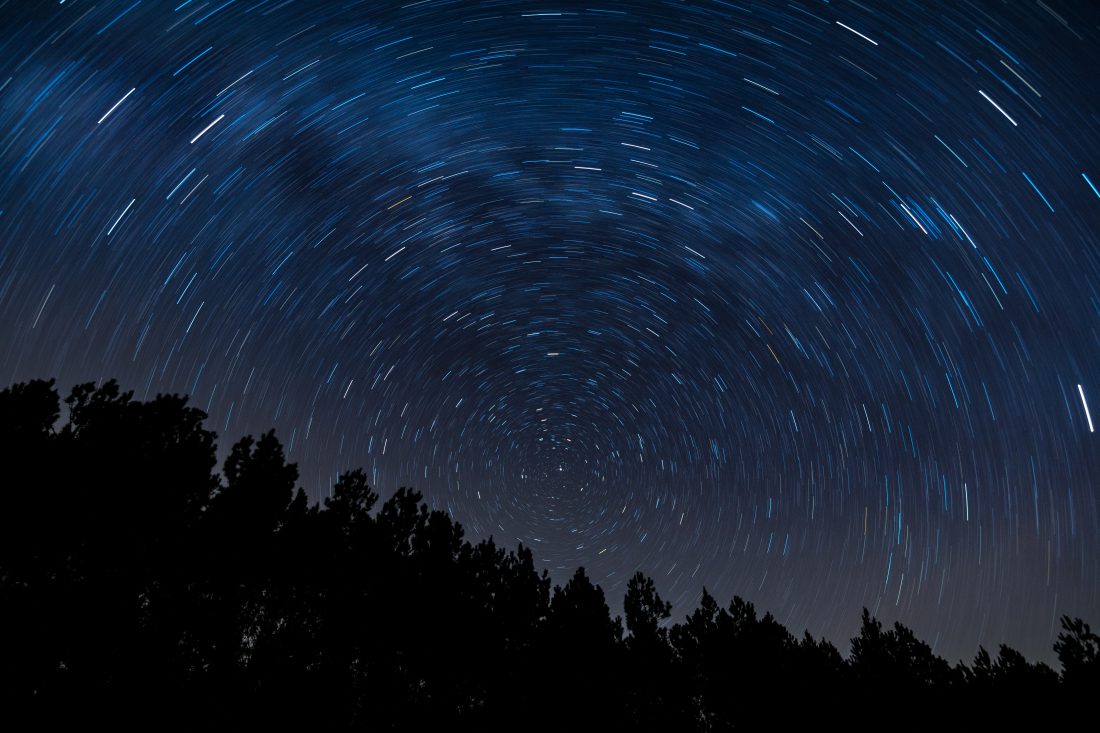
(795, 301)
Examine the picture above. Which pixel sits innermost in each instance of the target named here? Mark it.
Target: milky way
(794, 301)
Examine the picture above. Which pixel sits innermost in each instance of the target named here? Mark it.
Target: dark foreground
(141, 587)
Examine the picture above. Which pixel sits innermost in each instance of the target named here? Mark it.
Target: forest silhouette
(141, 586)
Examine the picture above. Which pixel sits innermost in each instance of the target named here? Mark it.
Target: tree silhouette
(896, 658)
(140, 585)
(655, 697)
(1078, 650)
(579, 646)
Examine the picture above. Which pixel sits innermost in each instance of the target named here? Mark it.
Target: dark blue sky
(798, 301)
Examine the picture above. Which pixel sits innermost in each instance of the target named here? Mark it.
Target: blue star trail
(798, 301)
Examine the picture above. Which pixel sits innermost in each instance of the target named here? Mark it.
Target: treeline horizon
(142, 585)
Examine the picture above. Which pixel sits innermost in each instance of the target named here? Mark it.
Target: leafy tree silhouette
(895, 658)
(644, 610)
(654, 694)
(1010, 671)
(579, 646)
(98, 549)
(1078, 650)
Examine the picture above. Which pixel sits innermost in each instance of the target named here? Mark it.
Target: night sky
(799, 301)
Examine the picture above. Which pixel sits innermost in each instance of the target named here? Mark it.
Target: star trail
(798, 301)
